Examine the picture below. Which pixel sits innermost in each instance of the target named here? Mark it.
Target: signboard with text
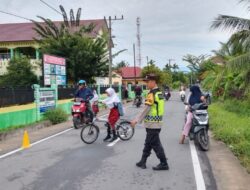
(47, 100)
(54, 69)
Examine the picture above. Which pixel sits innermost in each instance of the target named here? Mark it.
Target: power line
(15, 15)
(51, 7)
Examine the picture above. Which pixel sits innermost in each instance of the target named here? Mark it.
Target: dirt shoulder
(228, 172)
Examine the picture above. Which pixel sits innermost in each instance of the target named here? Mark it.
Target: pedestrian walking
(152, 115)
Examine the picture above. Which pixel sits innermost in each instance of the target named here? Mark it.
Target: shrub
(230, 123)
(240, 107)
(56, 116)
(176, 85)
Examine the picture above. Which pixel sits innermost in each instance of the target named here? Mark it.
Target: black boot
(161, 166)
(114, 136)
(142, 163)
(108, 134)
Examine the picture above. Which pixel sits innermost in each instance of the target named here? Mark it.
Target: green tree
(241, 29)
(194, 62)
(19, 73)
(48, 29)
(120, 65)
(165, 78)
(86, 57)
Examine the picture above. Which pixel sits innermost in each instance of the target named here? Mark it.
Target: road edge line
(42, 140)
(200, 184)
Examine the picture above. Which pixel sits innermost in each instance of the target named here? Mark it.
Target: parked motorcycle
(80, 113)
(200, 126)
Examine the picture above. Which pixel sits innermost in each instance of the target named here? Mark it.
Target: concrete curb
(227, 170)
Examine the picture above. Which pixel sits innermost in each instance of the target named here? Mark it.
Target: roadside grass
(231, 125)
(12, 128)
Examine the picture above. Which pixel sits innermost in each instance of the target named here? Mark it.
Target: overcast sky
(170, 28)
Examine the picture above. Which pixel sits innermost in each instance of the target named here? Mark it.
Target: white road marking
(47, 138)
(32, 144)
(114, 142)
(52, 136)
(200, 184)
(10, 153)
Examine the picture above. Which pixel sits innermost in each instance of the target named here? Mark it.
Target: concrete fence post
(37, 101)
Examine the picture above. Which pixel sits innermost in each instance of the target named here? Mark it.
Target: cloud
(170, 28)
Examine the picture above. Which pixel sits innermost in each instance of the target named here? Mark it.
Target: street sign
(54, 70)
(47, 100)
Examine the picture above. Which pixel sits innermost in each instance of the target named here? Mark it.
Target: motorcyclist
(138, 92)
(195, 97)
(166, 92)
(182, 92)
(86, 95)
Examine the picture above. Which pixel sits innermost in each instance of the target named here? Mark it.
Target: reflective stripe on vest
(157, 109)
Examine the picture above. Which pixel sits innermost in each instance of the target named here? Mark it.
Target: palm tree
(194, 61)
(48, 29)
(175, 67)
(241, 36)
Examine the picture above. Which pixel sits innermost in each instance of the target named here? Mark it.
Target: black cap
(151, 77)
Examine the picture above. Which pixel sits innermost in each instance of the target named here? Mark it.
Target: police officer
(152, 116)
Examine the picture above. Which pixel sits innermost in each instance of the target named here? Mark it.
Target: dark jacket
(84, 93)
(195, 97)
(138, 91)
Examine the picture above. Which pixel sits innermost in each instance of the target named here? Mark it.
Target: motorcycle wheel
(138, 104)
(77, 122)
(202, 140)
(125, 131)
(89, 133)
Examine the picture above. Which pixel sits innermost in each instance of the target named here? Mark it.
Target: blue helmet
(82, 82)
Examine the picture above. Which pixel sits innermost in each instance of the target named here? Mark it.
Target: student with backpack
(113, 102)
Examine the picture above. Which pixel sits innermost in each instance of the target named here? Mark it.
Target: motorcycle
(183, 97)
(80, 113)
(200, 126)
(138, 101)
(167, 94)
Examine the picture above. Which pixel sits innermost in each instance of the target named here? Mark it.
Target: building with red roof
(18, 38)
(131, 74)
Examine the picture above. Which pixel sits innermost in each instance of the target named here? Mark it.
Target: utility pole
(138, 35)
(134, 62)
(169, 61)
(147, 64)
(110, 44)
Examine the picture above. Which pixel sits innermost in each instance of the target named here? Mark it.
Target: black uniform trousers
(152, 141)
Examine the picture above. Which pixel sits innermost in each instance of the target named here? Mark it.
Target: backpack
(119, 106)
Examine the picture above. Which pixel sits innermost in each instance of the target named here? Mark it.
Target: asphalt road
(65, 162)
